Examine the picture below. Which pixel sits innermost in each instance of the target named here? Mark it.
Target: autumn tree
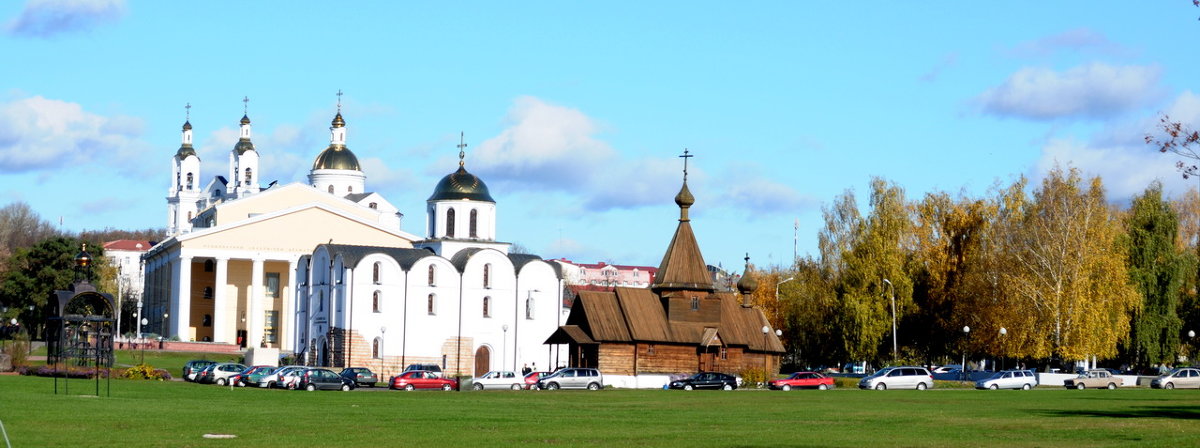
(868, 251)
(1155, 268)
(39, 270)
(1061, 268)
(947, 241)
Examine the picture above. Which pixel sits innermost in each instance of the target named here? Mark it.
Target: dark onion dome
(187, 125)
(461, 185)
(245, 119)
(336, 157)
(185, 150)
(747, 284)
(243, 145)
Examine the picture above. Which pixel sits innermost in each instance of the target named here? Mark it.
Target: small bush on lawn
(66, 372)
(19, 349)
(146, 372)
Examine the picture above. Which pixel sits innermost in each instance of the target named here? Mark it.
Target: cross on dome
(188, 112)
(339, 105)
(462, 145)
(685, 157)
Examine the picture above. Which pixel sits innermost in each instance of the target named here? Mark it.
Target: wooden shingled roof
(682, 265)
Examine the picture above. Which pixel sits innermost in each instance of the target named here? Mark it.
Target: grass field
(178, 414)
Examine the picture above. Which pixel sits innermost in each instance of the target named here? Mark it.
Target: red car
(803, 379)
(421, 379)
(532, 378)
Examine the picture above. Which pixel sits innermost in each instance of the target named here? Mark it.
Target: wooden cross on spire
(339, 95)
(462, 145)
(685, 156)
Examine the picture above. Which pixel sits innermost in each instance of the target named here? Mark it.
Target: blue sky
(575, 113)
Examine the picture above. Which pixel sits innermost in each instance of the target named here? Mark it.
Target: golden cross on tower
(462, 144)
(339, 95)
(245, 105)
(685, 156)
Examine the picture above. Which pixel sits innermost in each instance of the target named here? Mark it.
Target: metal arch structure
(81, 329)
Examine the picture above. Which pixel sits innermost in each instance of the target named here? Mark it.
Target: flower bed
(136, 372)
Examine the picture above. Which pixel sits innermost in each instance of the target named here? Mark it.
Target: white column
(254, 306)
(181, 299)
(223, 320)
(287, 322)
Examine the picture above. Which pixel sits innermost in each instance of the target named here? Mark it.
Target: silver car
(572, 378)
(1181, 377)
(499, 379)
(1009, 379)
(898, 378)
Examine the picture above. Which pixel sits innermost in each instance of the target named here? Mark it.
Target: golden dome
(338, 122)
(245, 119)
(336, 157)
(243, 145)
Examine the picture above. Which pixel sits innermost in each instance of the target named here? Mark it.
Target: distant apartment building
(606, 276)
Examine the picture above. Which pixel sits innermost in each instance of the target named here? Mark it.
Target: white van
(898, 378)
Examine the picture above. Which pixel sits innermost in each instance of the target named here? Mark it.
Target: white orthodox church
(323, 270)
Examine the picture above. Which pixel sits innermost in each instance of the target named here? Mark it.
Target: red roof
(129, 245)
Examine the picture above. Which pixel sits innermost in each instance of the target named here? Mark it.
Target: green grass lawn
(143, 413)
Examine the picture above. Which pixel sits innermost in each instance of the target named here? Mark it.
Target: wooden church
(639, 337)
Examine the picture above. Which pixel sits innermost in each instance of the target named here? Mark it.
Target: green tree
(1155, 268)
(39, 270)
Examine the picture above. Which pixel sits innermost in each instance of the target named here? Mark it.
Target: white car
(1009, 379)
(272, 380)
(898, 378)
(499, 379)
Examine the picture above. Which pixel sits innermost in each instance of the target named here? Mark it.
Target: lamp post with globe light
(143, 343)
(1003, 332)
(963, 366)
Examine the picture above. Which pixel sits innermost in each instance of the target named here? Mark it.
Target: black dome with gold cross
(461, 185)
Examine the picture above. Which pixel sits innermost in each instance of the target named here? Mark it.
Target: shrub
(146, 372)
(19, 349)
(753, 376)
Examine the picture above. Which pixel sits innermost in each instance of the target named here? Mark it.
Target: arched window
(529, 308)
(487, 307)
(208, 292)
(373, 205)
(349, 189)
(695, 304)
(321, 301)
(432, 275)
(331, 189)
(209, 265)
(189, 181)
(375, 353)
(487, 276)
(375, 302)
(248, 176)
(432, 305)
(207, 320)
(450, 223)
(375, 273)
(474, 226)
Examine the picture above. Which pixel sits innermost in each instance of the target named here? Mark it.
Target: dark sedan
(361, 376)
(706, 380)
(323, 379)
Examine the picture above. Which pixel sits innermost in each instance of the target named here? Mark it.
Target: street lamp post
(893, 296)
(781, 282)
(963, 367)
(382, 339)
(143, 343)
(765, 330)
(505, 328)
(162, 337)
(1003, 331)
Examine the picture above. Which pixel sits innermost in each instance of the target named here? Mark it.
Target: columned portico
(221, 316)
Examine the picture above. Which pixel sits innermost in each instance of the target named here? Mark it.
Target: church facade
(323, 270)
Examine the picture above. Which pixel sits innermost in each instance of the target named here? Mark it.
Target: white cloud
(1094, 90)
(380, 177)
(37, 133)
(46, 18)
(544, 144)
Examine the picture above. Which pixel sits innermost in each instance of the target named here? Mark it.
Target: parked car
(257, 376)
(532, 378)
(1178, 378)
(274, 378)
(898, 378)
(240, 379)
(290, 379)
(1009, 379)
(1094, 378)
(322, 379)
(361, 376)
(572, 378)
(706, 380)
(499, 379)
(191, 368)
(802, 379)
(425, 367)
(205, 374)
(221, 372)
(421, 379)
(947, 368)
